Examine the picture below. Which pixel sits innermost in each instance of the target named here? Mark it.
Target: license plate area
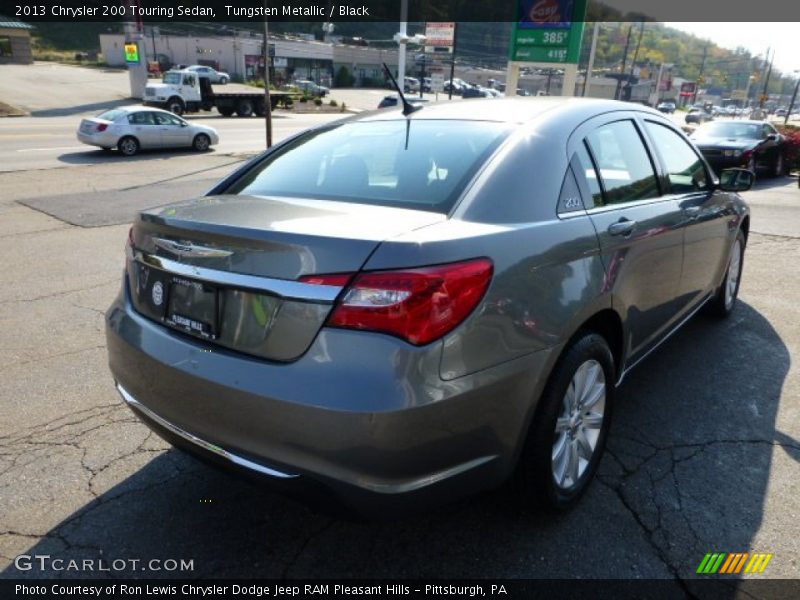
(193, 307)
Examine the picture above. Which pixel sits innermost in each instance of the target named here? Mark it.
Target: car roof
(512, 110)
(137, 108)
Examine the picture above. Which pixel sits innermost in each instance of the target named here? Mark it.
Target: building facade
(242, 56)
(15, 42)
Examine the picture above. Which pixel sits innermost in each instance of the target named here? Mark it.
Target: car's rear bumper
(102, 140)
(364, 416)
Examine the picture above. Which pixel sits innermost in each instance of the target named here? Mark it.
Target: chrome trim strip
(237, 460)
(628, 368)
(191, 250)
(285, 288)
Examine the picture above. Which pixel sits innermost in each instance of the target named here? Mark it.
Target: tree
(343, 78)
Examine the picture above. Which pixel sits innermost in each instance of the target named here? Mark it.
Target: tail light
(418, 305)
(102, 127)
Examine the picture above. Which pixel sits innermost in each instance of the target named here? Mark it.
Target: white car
(213, 75)
(134, 128)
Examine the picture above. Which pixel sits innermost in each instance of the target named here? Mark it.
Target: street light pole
(267, 100)
(401, 48)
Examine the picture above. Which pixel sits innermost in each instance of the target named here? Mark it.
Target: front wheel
(223, 81)
(723, 302)
(175, 106)
(778, 169)
(201, 142)
(567, 437)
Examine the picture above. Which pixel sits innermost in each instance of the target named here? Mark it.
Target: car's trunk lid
(227, 268)
(93, 125)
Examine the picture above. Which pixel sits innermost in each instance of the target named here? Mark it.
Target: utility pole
(624, 61)
(267, 99)
(590, 67)
(453, 62)
(700, 76)
(794, 97)
(766, 81)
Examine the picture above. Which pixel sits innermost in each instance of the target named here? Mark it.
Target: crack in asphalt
(60, 293)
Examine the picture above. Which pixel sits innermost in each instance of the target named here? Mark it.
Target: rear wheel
(260, 109)
(723, 302)
(223, 81)
(201, 142)
(128, 146)
(568, 434)
(175, 106)
(244, 108)
(225, 111)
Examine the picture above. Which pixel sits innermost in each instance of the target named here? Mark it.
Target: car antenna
(408, 108)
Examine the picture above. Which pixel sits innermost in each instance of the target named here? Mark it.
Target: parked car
(457, 84)
(404, 309)
(781, 112)
(134, 128)
(411, 84)
(212, 75)
(476, 91)
(666, 107)
(698, 115)
(389, 101)
(312, 88)
(754, 145)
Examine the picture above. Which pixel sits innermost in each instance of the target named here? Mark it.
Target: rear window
(421, 165)
(111, 115)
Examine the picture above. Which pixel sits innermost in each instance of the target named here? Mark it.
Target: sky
(756, 37)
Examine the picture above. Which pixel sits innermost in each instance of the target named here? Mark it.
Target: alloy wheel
(578, 426)
(734, 272)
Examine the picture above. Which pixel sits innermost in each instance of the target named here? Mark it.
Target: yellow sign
(132, 53)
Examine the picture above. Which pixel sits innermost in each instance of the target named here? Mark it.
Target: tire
(244, 108)
(175, 106)
(559, 436)
(751, 164)
(223, 81)
(201, 142)
(778, 167)
(225, 111)
(128, 146)
(260, 109)
(724, 301)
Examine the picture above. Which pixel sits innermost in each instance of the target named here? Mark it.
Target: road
(49, 142)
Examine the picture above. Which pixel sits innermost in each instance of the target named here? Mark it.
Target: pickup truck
(186, 92)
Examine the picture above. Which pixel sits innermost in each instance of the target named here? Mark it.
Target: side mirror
(736, 180)
(184, 124)
(772, 137)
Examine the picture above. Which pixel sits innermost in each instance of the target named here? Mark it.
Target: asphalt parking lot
(704, 452)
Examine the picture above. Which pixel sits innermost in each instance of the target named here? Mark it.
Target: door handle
(623, 227)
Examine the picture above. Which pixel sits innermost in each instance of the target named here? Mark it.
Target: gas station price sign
(547, 31)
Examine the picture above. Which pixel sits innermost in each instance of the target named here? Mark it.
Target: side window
(685, 169)
(589, 172)
(767, 130)
(165, 119)
(623, 162)
(141, 118)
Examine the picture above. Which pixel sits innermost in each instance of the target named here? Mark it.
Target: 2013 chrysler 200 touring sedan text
(406, 308)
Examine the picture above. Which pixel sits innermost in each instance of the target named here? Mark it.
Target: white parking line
(53, 148)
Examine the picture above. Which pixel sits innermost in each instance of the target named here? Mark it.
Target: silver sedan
(134, 128)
